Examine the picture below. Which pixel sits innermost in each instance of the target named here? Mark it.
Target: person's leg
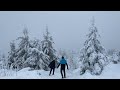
(64, 73)
(50, 71)
(53, 70)
(61, 73)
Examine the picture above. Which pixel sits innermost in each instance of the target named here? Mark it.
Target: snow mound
(25, 69)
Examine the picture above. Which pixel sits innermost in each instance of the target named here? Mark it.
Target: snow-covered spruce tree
(111, 54)
(12, 54)
(36, 43)
(3, 62)
(36, 58)
(119, 56)
(27, 54)
(47, 46)
(0, 61)
(72, 62)
(115, 57)
(3, 65)
(92, 56)
(22, 50)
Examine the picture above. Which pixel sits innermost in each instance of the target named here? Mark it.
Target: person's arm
(58, 65)
(67, 65)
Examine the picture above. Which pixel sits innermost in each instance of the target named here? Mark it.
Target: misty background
(68, 28)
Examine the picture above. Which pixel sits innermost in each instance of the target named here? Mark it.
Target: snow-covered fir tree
(3, 62)
(111, 52)
(72, 61)
(114, 55)
(12, 54)
(47, 46)
(3, 65)
(22, 50)
(93, 57)
(36, 43)
(27, 54)
(36, 58)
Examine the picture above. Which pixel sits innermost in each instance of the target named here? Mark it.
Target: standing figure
(63, 64)
(52, 67)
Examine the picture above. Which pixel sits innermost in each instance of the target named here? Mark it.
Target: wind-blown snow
(111, 71)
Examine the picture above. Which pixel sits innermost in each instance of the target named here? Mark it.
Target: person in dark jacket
(52, 67)
(63, 64)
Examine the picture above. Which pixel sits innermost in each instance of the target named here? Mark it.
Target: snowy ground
(111, 71)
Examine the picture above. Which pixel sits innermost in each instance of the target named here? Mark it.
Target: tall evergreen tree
(36, 58)
(47, 46)
(22, 50)
(12, 54)
(28, 54)
(71, 60)
(36, 43)
(92, 56)
(3, 62)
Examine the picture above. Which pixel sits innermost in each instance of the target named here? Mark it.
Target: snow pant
(62, 70)
(52, 69)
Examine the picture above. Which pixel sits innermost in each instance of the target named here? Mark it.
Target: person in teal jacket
(63, 64)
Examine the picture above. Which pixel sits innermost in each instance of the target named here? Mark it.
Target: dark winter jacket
(52, 64)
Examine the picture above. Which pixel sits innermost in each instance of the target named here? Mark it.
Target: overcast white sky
(68, 28)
